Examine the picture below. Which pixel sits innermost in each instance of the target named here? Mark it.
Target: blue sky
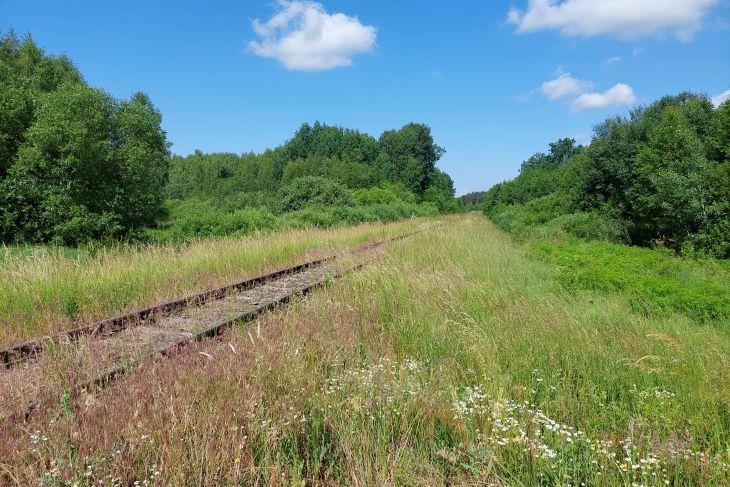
(496, 81)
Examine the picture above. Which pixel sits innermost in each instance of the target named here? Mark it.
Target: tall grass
(455, 359)
(46, 289)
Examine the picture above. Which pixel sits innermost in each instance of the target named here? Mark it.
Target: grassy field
(47, 289)
(458, 358)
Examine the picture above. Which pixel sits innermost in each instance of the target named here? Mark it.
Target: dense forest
(659, 177)
(321, 176)
(77, 164)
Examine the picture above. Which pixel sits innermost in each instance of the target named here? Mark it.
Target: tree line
(401, 164)
(660, 176)
(474, 200)
(78, 164)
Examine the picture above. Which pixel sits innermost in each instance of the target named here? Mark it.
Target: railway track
(123, 341)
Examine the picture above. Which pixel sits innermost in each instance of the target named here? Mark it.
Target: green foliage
(25, 73)
(372, 196)
(77, 163)
(323, 167)
(661, 176)
(473, 200)
(592, 226)
(656, 283)
(347, 215)
(329, 142)
(314, 191)
(412, 155)
(352, 174)
(669, 187)
(190, 219)
(523, 220)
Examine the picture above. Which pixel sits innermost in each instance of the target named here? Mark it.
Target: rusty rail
(17, 352)
(118, 323)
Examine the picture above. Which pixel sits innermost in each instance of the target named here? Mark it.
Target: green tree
(25, 73)
(90, 167)
(413, 153)
(141, 156)
(326, 141)
(661, 174)
(314, 191)
(671, 190)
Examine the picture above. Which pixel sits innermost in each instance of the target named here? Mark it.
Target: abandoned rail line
(120, 342)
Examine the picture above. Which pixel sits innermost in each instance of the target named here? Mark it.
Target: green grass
(28, 252)
(654, 282)
(46, 289)
(457, 358)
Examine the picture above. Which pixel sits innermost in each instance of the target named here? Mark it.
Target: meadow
(44, 289)
(459, 357)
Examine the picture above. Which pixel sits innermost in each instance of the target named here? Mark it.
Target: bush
(372, 196)
(266, 200)
(352, 215)
(593, 226)
(310, 217)
(194, 218)
(521, 220)
(401, 191)
(314, 191)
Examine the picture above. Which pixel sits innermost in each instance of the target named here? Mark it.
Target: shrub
(314, 191)
(593, 226)
(310, 217)
(401, 191)
(521, 220)
(372, 196)
(256, 199)
(194, 218)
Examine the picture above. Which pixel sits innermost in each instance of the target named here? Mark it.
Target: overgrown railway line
(120, 342)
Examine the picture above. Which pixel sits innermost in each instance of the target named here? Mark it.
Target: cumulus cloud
(718, 100)
(625, 19)
(578, 93)
(619, 95)
(563, 86)
(303, 36)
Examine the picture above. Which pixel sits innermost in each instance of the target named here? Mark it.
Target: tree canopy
(75, 163)
(355, 160)
(663, 174)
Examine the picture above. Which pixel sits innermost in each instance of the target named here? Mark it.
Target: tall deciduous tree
(25, 74)
(413, 154)
(89, 167)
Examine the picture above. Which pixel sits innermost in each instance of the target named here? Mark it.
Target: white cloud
(303, 36)
(578, 93)
(619, 94)
(564, 85)
(718, 100)
(609, 61)
(626, 19)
